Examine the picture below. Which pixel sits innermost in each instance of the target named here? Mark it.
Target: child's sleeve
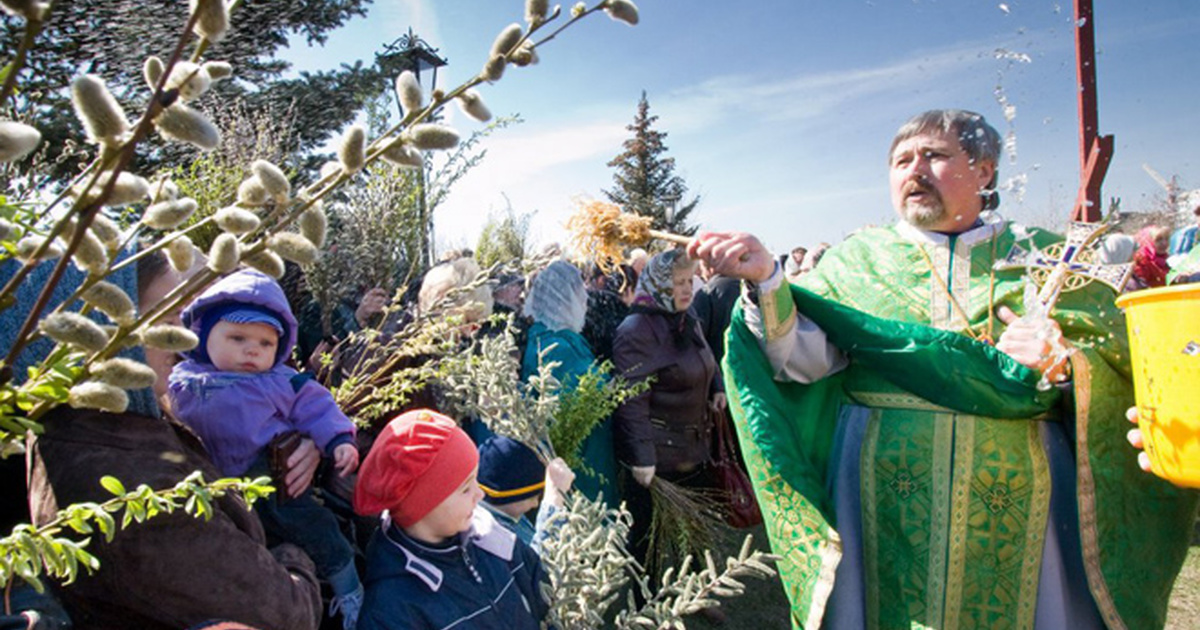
(315, 414)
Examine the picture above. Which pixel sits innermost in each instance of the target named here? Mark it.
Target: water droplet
(1192, 349)
(1081, 22)
(1003, 7)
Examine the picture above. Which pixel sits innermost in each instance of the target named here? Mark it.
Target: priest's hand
(1135, 438)
(1036, 343)
(733, 254)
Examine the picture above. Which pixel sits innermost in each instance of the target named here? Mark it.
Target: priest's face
(934, 183)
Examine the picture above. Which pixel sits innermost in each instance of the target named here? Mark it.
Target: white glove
(643, 475)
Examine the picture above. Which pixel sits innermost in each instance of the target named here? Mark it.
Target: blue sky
(779, 113)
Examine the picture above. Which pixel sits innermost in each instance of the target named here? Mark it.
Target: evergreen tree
(646, 182)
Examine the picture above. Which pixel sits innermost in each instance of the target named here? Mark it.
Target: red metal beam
(1095, 152)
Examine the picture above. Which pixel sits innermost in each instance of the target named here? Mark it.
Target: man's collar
(988, 225)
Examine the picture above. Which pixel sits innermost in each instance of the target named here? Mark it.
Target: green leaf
(113, 485)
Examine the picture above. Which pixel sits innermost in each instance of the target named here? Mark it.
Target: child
(512, 478)
(438, 559)
(237, 394)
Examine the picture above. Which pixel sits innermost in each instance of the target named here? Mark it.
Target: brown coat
(172, 571)
(668, 426)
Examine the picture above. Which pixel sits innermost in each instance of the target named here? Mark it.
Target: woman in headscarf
(557, 304)
(1150, 262)
(665, 431)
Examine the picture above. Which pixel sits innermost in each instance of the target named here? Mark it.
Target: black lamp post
(410, 52)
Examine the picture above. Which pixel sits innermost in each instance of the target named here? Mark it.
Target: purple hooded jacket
(237, 413)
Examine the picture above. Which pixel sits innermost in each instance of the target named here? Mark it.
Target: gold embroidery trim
(952, 455)
(869, 515)
(1086, 493)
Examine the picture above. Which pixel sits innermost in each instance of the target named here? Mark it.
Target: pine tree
(646, 182)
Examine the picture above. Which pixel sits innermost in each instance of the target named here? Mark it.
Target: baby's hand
(345, 459)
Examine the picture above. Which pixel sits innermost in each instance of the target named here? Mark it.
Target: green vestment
(955, 483)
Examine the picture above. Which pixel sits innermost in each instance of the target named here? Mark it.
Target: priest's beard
(925, 214)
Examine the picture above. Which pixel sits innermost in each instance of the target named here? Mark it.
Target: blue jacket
(236, 414)
(485, 580)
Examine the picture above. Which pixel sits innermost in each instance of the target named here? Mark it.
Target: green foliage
(585, 403)
(503, 239)
(645, 180)
(32, 552)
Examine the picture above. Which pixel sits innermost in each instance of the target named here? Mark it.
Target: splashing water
(1038, 314)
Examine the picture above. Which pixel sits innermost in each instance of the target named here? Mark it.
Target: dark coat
(667, 426)
(414, 586)
(174, 570)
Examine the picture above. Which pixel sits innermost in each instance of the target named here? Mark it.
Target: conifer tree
(646, 182)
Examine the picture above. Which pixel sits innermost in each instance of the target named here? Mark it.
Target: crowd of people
(925, 451)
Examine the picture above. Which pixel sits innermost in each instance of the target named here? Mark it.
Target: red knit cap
(419, 459)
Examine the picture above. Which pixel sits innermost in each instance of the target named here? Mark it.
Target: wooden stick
(667, 236)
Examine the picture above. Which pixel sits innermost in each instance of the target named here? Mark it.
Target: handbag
(740, 506)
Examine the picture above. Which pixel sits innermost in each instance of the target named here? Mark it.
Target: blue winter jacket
(237, 413)
(486, 580)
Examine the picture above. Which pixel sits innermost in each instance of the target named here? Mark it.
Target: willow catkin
(181, 253)
(163, 190)
(29, 245)
(212, 18)
(124, 373)
(17, 140)
(293, 247)
(107, 231)
(184, 124)
(190, 79)
(152, 70)
(97, 395)
(236, 220)
(409, 92)
(267, 262)
(273, 179)
(251, 192)
(432, 137)
(111, 300)
(224, 254)
(535, 10)
(170, 338)
(90, 255)
(493, 70)
(167, 215)
(525, 55)
(314, 224)
(622, 11)
(127, 189)
(101, 115)
(471, 103)
(353, 151)
(402, 154)
(218, 70)
(75, 330)
(506, 40)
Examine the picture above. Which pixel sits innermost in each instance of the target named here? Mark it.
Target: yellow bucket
(1164, 340)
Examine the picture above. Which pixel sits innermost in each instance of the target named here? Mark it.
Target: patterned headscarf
(656, 284)
(558, 298)
(1149, 265)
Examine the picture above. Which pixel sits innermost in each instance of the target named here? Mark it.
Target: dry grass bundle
(600, 230)
(685, 522)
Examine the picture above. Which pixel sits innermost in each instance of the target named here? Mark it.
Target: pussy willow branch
(89, 211)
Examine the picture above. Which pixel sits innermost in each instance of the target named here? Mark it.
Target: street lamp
(410, 52)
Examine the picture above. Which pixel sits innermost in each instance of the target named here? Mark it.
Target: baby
(236, 393)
